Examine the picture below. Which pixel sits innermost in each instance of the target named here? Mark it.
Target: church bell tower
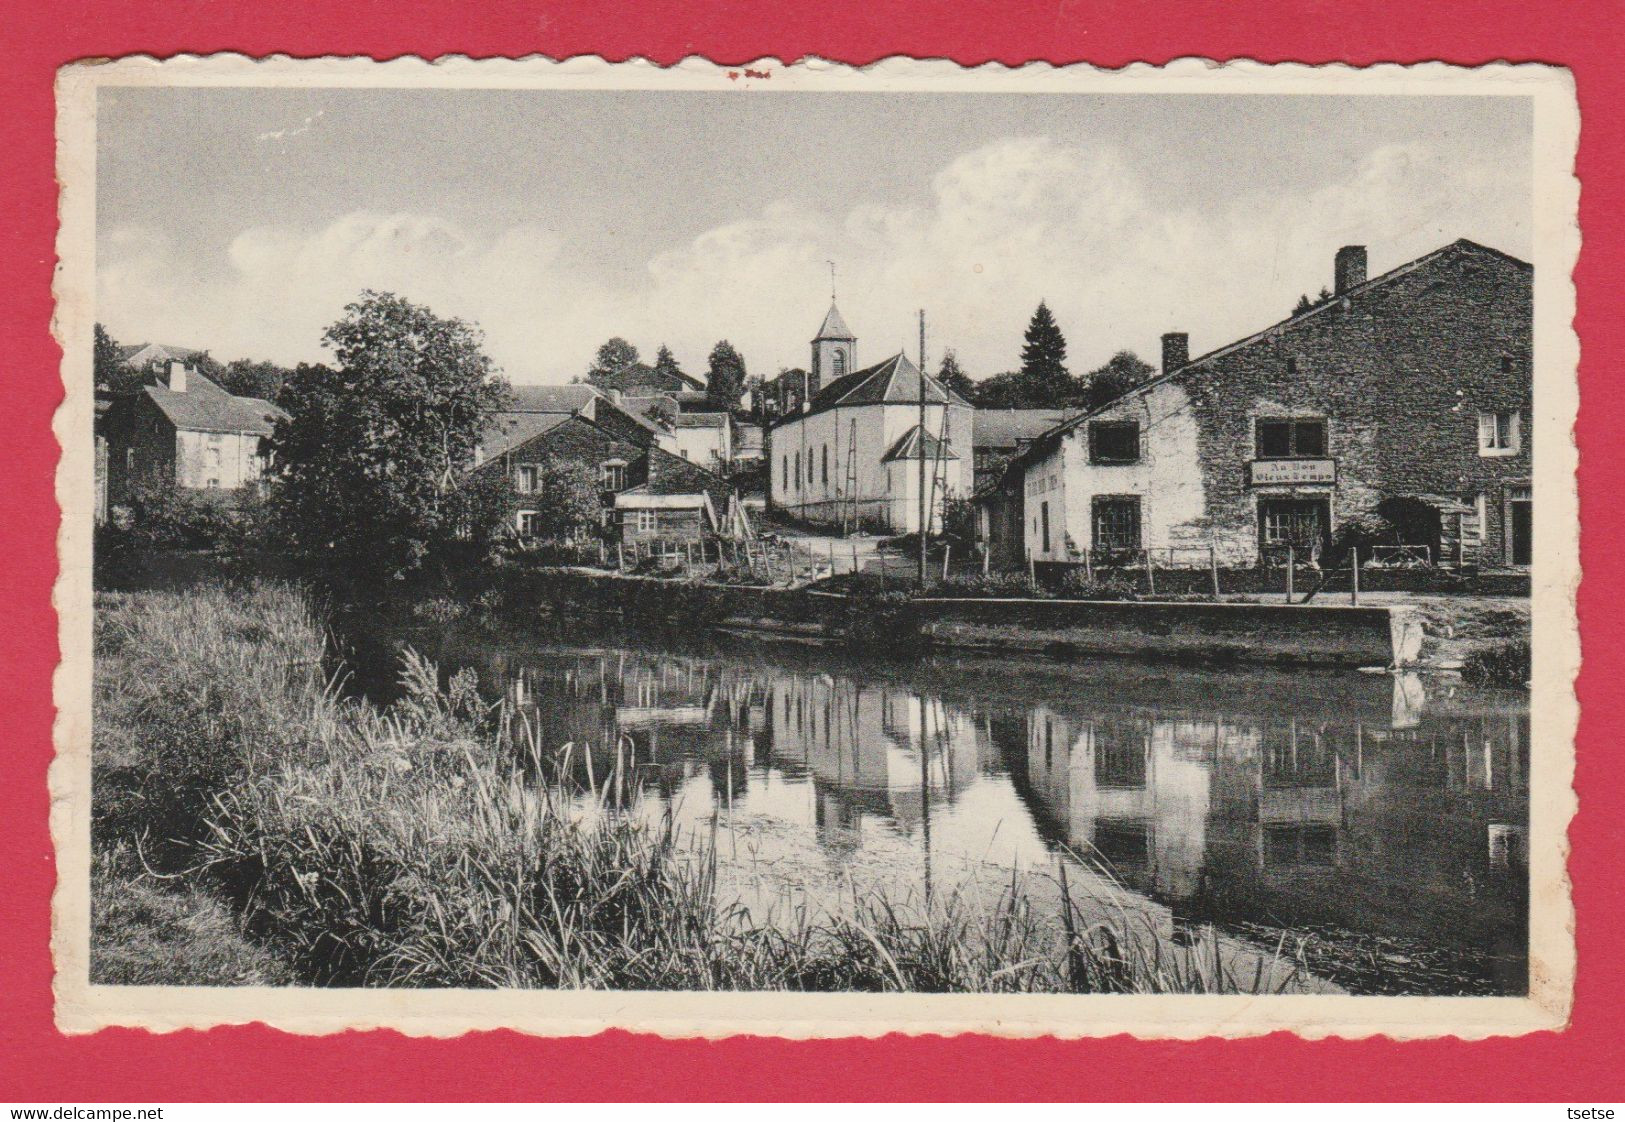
(834, 350)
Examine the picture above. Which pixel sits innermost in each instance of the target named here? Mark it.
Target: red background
(38, 1064)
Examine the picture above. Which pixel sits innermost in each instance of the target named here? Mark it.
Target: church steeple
(834, 349)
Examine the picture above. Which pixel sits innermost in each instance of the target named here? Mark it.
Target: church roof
(896, 381)
(908, 448)
(834, 327)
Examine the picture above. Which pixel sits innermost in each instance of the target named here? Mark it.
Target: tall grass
(422, 845)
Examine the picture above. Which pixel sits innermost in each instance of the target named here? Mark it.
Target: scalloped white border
(81, 1007)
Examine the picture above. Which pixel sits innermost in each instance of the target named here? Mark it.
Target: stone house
(186, 432)
(1406, 396)
(645, 492)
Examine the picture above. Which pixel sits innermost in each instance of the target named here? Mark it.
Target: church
(848, 455)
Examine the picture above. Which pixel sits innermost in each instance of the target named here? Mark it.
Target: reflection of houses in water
(877, 751)
(673, 718)
(1368, 818)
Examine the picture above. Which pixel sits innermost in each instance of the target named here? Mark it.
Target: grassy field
(253, 825)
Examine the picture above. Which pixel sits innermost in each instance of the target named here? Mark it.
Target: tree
(666, 364)
(1043, 358)
(570, 506)
(950, 375)
(614, 356)
(725, 376)
(1307, 305)
(370, 466)
(107, 364)
(247, 378)
(1119, 374)
(1003, 391)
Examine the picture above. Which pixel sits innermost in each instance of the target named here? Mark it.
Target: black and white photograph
(801, 550)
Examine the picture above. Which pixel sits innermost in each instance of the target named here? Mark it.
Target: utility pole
(922, 450)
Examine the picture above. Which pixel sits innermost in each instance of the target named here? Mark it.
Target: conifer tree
(1043, 360)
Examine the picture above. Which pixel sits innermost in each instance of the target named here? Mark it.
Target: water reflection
(1386, 816)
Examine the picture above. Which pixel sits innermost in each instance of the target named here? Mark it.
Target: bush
(1507, 663)
(1078, 584)
(993, 586)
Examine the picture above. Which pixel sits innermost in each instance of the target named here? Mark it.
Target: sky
(242, 221)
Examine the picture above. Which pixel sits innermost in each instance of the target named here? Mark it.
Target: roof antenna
(831, 265)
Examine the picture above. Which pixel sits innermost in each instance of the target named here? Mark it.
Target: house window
(1301, 523)
(684, 451)
(615, 475)
(1499, 434)
(648, 521)
(824, 470)
(1043, 514)
(787, 471)
(1117, 522)
(1114, 442)
(1291, 439)
(527, 479)
(798, 471)
(525, 521)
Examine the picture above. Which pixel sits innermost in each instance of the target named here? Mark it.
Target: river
(1375, 825)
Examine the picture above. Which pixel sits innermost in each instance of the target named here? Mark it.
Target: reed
(434, 843)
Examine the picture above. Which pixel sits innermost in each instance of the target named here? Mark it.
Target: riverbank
(253, 825)
(1191, 631)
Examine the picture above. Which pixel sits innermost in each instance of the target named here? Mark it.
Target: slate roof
(1459, 246)
(205, 407)
(157, 352)
(702, 420)
(552, 399)
(1006, 428)
(834, 327)
(507, 431)
(640, 375)
(908, 448)
(895, 381)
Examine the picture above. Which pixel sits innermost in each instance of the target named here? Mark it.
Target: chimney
(1349, 270)
(1176, 351)
(177, 376)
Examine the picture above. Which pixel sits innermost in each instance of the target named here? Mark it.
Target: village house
(646, 493)
(998, 434)
(1406, 397)
(850, 456)
(705, 439)
(184, 431)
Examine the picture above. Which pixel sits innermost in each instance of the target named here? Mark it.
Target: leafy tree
(725, 377)
(1003, 391)
(1120, 373)
(570, 503)
(247, 378)
(1043, 358)
(950, 375)
(108, 364)
(614, 356)
(371, 464)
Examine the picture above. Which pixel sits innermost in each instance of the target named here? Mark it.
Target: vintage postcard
(814, 550)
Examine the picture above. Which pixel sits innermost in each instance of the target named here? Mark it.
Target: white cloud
(1005, 225)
